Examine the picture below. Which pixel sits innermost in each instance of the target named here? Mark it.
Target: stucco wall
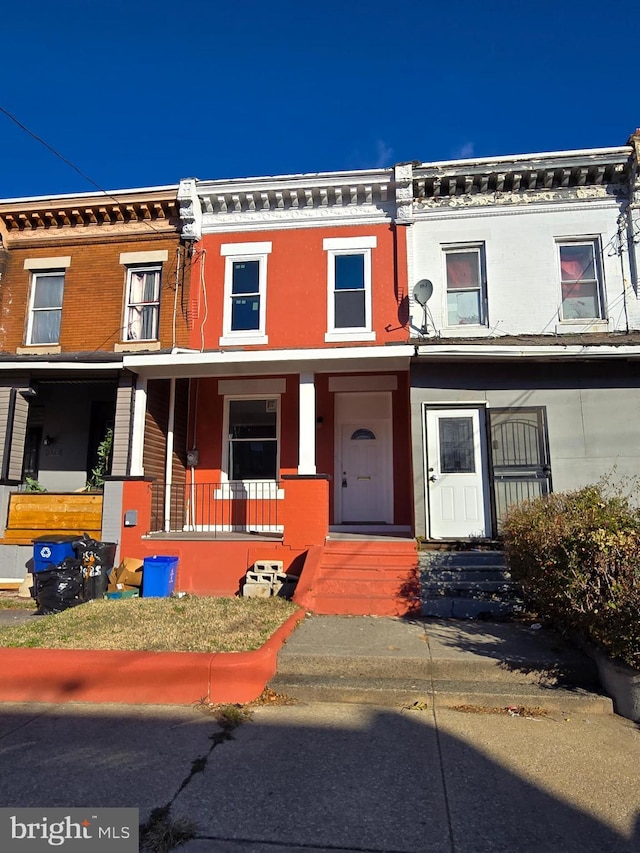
(593, 414)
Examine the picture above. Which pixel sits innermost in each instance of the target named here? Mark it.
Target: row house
(298, 379)
(83, 281)
(525, 316)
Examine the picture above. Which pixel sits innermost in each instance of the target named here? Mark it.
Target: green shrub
(577, 557)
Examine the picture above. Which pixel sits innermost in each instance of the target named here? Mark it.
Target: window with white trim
(466, 286)
(45, 313)
(349, 304)
(245, 293)
(252, 449)
(142, 310)
(580, 280)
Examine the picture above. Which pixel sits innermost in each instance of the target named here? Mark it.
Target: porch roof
(347, 359)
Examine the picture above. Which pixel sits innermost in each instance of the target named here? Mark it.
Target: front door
(364, 481)
(456, 474)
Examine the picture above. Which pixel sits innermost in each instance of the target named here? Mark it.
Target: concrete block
(271, 566)
(256, 590)
(260, 577)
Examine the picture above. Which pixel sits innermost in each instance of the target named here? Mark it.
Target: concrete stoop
(396, 663)
(469, 584)
(367, 577)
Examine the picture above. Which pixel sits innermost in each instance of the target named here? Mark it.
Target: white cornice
(493, 208)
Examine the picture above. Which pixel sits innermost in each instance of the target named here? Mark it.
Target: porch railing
(216, 508)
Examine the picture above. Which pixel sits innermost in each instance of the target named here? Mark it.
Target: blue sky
(145, 92)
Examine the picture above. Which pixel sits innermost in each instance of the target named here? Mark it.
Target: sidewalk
(338, 777)
(389, 661)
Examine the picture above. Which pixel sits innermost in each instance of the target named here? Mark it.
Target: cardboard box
(129, 572)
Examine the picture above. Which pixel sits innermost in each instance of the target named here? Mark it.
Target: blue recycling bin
(51, 550)
(159, 576)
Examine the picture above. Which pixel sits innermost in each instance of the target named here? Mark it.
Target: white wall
(522, 265)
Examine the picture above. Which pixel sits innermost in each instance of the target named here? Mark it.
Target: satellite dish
(423, 291)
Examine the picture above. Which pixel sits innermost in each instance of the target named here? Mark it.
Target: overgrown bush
(577, 557)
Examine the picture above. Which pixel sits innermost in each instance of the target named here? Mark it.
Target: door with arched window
(365, 486)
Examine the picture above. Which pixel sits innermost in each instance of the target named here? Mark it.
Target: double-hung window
(143, 304)
(349, 303)
(253, 439)
(580, 280)
(47, 290)
(245, 293)
(466, 291)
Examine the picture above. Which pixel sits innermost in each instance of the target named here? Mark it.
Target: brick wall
(94, 293)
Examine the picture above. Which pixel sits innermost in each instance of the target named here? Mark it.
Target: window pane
(49, 290)
(253, 460)
(580, 301)
(252, 419)
(46, 327)
(246, 277)
(349, 272)
(463, 308)
(349, 309)
(456, 446)
(245, 313)
(151, 281)
(577, 262)
(462, 270)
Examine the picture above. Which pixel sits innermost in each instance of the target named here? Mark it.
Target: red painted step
(366, 577)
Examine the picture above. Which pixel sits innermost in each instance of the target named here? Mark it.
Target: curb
(140, 678)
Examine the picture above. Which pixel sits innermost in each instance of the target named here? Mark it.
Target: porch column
(168, 467)
(307, 425)
(137, 433)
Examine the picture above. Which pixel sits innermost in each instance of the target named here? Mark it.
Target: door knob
(433, 478)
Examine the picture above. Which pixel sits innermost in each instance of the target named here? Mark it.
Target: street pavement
(338, 777)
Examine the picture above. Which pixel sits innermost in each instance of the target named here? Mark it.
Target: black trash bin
(97, 559)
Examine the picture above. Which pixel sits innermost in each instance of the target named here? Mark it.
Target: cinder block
(256, 590)
(271, 566)
(260, 577)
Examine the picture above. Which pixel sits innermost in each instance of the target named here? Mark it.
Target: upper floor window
(245, 292)
(349, 302)
(143, 304)
(581, 280)
(47, 289)
(466, 294)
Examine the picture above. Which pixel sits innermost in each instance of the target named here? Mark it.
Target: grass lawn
(187, 624)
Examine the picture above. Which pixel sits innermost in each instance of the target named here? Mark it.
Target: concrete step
(460, 559)
(353, 604)
(435, 588)
(460, 607)
(388, 692)
(477, 573)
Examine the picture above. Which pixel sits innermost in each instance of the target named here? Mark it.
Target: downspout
(168, 475)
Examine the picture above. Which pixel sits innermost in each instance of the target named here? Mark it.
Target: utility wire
(71, 165)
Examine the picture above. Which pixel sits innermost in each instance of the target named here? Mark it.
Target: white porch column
(307, 425)
(137, 433)
(168, 469)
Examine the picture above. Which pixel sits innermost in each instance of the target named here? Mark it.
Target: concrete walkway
(388, 661)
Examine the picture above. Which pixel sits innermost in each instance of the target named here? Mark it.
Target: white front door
(456, 474)
(364, 482)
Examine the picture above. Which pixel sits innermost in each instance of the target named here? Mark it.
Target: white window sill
(239, 340)
(579, 326)
(137, 346)
(39, 349)
(242, 490)
(337, 337)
